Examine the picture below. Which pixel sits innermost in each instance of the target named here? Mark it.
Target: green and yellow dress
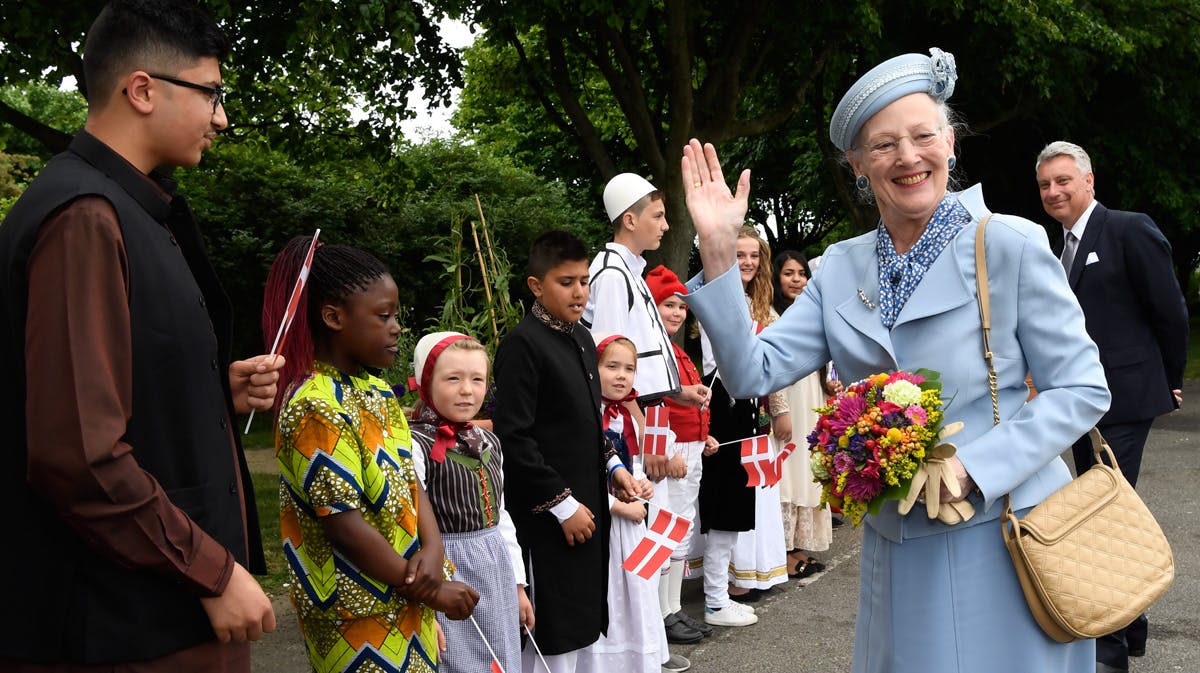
(342, 443)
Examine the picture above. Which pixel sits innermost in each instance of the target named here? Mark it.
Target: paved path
(809, 628)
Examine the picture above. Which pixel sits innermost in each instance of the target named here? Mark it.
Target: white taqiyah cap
(623, 191)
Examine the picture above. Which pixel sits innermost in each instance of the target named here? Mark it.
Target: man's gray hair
(1062, 148)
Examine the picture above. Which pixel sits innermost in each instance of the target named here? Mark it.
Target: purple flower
(843, 462)
(848, 411)
(861, 487)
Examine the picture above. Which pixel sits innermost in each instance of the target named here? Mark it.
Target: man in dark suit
(1119, 265)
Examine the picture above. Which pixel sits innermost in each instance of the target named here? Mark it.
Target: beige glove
(929, 478)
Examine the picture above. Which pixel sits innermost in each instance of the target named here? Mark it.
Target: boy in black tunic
(557, 461)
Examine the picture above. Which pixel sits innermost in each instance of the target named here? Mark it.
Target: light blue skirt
(951, 603)
(482, 561)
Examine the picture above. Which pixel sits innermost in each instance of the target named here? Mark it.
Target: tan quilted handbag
(1091, 557)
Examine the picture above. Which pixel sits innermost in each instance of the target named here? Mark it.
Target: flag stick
(677, 516)
(736, 441)
(536, 648)
(486, 643)
(285, 323)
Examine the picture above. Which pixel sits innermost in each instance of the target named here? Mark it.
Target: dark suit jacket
(1134, 309)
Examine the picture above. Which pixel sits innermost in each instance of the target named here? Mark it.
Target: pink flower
(842, 462)
(848, 410)
(906, 376)
(861, 487)
(886, 407)
(871, 469)
(916, 414)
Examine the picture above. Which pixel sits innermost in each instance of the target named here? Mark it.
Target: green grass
(266, 494)
(262, 435)
(1193, 363)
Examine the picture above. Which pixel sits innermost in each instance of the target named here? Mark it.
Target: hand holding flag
(292, 307)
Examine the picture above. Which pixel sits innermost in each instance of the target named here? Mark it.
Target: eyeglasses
(886, 146)
(217, 93)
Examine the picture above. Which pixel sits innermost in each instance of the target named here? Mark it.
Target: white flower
(902, 393)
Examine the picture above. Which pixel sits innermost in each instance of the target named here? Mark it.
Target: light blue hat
(886, 83)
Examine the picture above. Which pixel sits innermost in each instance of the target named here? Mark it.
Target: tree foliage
(622, 82)
(251, 200)
(627, 83)
(298, 69)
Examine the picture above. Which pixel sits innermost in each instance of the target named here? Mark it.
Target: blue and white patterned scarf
(908, 269)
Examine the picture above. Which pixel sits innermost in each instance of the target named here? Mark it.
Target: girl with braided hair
(364, 552)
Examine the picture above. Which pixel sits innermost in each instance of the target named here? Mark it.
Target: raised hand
(716, 212)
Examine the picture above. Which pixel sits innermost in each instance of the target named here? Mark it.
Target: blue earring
(952, 162)
(863, 183)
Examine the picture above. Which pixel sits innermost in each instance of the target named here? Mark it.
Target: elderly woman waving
(933, 596)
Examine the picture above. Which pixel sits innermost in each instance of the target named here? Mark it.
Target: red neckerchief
(448, 434)
(613, 408)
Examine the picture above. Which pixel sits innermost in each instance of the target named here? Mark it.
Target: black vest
(65, 601)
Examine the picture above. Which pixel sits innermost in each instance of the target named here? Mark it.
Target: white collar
(1081, 223)
(636, 263)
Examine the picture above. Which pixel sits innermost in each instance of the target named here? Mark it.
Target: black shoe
(696, 624)
(1102, 667)
(837, 522)
(751, 596)
(807, 569)
(1135, 651)
(679, 632)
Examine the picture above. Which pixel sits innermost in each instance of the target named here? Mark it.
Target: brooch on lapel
(862, 296)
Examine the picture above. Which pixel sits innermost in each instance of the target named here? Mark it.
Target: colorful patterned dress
(342, 444)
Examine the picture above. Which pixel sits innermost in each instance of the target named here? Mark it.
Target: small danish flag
(666, 531)
(654, 439)
(756, 458)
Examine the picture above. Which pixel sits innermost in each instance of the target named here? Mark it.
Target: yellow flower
(843, 441)
(894, 435)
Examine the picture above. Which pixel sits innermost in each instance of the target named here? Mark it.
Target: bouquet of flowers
(872, 438)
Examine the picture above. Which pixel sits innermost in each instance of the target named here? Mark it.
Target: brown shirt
(78, 349)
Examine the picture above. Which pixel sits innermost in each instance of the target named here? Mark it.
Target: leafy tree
(251, 200)
(62, 111)
(298, 68)
(627, 83)
(623, 82)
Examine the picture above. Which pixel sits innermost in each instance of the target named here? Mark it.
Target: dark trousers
(1127, 441)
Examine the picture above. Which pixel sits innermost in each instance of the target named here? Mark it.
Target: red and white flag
(292, 307)
(777, 465)
(654, 439)
(665, 533)
(294, 300)
(756, 458)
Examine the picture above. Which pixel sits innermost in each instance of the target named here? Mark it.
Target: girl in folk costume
(635, 641)
(461, 467)
(759, 556)
(364, 552)
(806, 525)
(691, 441)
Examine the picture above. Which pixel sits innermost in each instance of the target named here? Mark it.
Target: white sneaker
(742, 607)
(676, 664)
(728, 617)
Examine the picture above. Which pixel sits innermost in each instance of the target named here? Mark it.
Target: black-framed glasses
(217, 93)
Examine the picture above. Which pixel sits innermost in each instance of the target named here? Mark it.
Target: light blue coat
(1037, 326)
